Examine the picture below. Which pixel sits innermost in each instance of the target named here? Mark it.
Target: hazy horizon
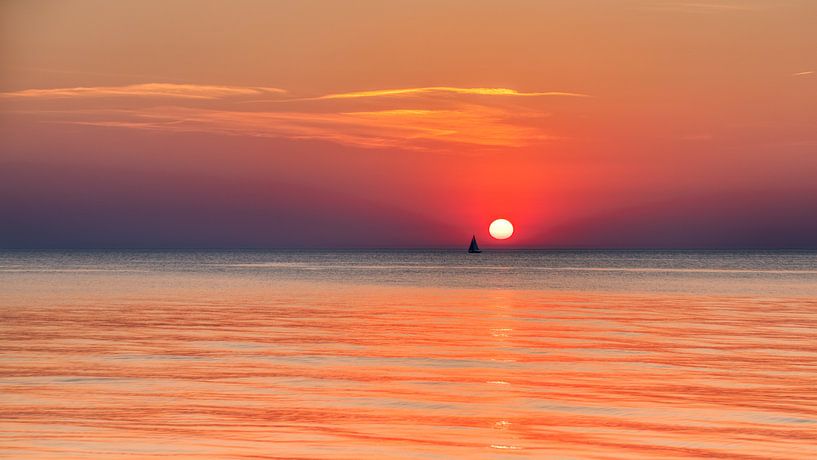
(487, 247)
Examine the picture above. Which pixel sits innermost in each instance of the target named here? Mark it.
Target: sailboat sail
(473, 247)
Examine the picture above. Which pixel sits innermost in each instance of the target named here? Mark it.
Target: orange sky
(255, 123)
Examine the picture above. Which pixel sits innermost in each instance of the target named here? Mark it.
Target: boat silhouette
(473, 248)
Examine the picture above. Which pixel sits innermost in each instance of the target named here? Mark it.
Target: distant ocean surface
(408, 354)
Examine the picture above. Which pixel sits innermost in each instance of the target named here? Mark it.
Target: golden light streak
(171, 90)
(446, 89)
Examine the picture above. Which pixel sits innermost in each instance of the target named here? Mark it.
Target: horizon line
(417, 248)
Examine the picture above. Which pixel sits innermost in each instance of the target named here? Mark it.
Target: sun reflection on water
(224, 368)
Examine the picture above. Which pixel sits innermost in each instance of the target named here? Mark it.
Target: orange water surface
(208, 366)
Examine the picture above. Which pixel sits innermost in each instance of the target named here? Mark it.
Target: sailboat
(473, 248)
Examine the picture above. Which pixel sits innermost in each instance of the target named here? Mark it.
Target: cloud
(400, 128)
(168, 90)
(443, 119)
(445, 89)
(803, 74)
(192, 91)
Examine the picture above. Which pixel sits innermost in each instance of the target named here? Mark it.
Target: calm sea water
(408, 354)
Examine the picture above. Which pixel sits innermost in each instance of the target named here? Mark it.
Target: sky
(264, 124)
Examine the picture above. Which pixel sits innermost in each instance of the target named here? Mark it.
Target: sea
(408, 354)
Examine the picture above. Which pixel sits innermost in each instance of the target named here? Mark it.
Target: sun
(501, 229)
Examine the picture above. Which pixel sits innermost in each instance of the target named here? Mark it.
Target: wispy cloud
(169, 90)
(445, 117)
(803, 74)
(445, 89)
(401, 128)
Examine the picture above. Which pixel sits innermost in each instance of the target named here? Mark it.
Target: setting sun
(501, 229)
